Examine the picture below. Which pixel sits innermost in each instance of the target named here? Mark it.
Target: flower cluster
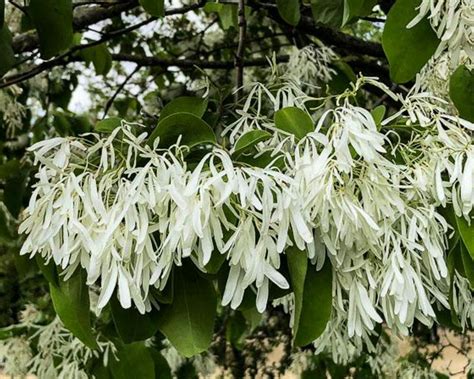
(347, 193)
(453, 22)
(49, 351)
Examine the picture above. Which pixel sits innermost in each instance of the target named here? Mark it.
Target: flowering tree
(188, 185)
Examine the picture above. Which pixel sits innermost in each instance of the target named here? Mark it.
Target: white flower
(453, 22)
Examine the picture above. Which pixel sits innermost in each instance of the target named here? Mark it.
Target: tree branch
(190, 63)
(239, 55)
(144, 61)
(109, 103)
(84, 17)
(324, 33)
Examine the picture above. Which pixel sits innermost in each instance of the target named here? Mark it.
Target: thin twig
(239, 56)
(119, 89)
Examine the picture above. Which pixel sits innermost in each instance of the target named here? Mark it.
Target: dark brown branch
(190, 63)
(140, 60)
(119, 89)
(82, 18)
(324, 33)
(239, 55)
(85, 17)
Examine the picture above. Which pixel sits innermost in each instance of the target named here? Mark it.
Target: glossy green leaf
(378, 113)
(248, 140)
(188, 322)
(407, 50)
(7, 57)
(466, 232)
(49, 270)
(294, 121)
(316, 304)
(297, 266)
(131, 325)
(262, 160)
(289, 11)
(133, 361)
(71, 303)
(188, 104)
(461, 91)
(468, 264)
(107, 125)
(357, 8)
(53, 21)
(342, 78)
(329, 12)
(156, 8)
(192, 130)
(100, 57)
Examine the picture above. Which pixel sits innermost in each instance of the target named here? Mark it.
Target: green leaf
(357, 8)
(228, 15)
(466, 232)
(134, 360)
(100, 57)
(236, 329)
(343, 77)
(294, 121)
(407, 50)
(378, 113)
(252, 316)
(297, 266)
(7, 57)
(14, 190)
(315, 299)
(99, 371)
(49, 270)
(71, 303)
(9, 169)
(248, 140)
(329, 12)
(61, 124)
(156, 8)
(215, 263)
(162, 368)
(107, 125)
(468, 264)
(461, 91)
(53, 21)
(263, 160)
(188, 322)
(195, 105)
(131, 325)
(192, 129)
(289, 11)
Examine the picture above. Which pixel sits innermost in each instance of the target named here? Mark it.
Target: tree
(201, 182)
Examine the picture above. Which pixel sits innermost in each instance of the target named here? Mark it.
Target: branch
(190, 63)
(82, 18)
(145, 61)
(119, 89)
(239, 56)
(85, 17)
(324, 33)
